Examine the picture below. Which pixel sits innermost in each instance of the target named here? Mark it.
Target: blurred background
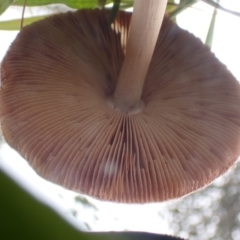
(212, 213)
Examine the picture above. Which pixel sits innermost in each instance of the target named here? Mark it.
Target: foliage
(173, 9)
(4, 4)
(29, 218)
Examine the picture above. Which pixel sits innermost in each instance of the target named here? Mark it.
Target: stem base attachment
(136, 108)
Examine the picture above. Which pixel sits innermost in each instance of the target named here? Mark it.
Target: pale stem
(144, 30)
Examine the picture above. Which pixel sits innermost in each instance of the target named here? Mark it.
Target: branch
(218, 6)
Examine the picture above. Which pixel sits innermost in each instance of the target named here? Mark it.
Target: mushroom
(121, 115)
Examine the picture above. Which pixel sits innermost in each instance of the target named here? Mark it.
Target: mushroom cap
(57, 78)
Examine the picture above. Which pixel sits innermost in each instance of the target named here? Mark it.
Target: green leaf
(15, 24)
(101, 3)
(71, 3)
(78, 4)
(183, 5)
(4, 4)
(22, 216)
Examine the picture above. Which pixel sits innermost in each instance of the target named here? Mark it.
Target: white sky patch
(226, 46)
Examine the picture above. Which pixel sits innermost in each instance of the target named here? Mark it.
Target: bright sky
(121, 217)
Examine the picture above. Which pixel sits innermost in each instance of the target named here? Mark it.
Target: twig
(218, 6)
(23, 11)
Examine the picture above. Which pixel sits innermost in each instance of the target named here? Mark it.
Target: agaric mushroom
(155, 133)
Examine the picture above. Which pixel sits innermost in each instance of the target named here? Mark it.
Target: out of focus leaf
(78, 4)
(171, 6)
(184, 4)
(21, 216)
(4, 4)
(101, 3)
(15, 24)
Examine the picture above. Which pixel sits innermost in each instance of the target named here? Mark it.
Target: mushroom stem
(144, 29)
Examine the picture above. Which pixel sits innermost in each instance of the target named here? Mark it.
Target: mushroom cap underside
(57, 79)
